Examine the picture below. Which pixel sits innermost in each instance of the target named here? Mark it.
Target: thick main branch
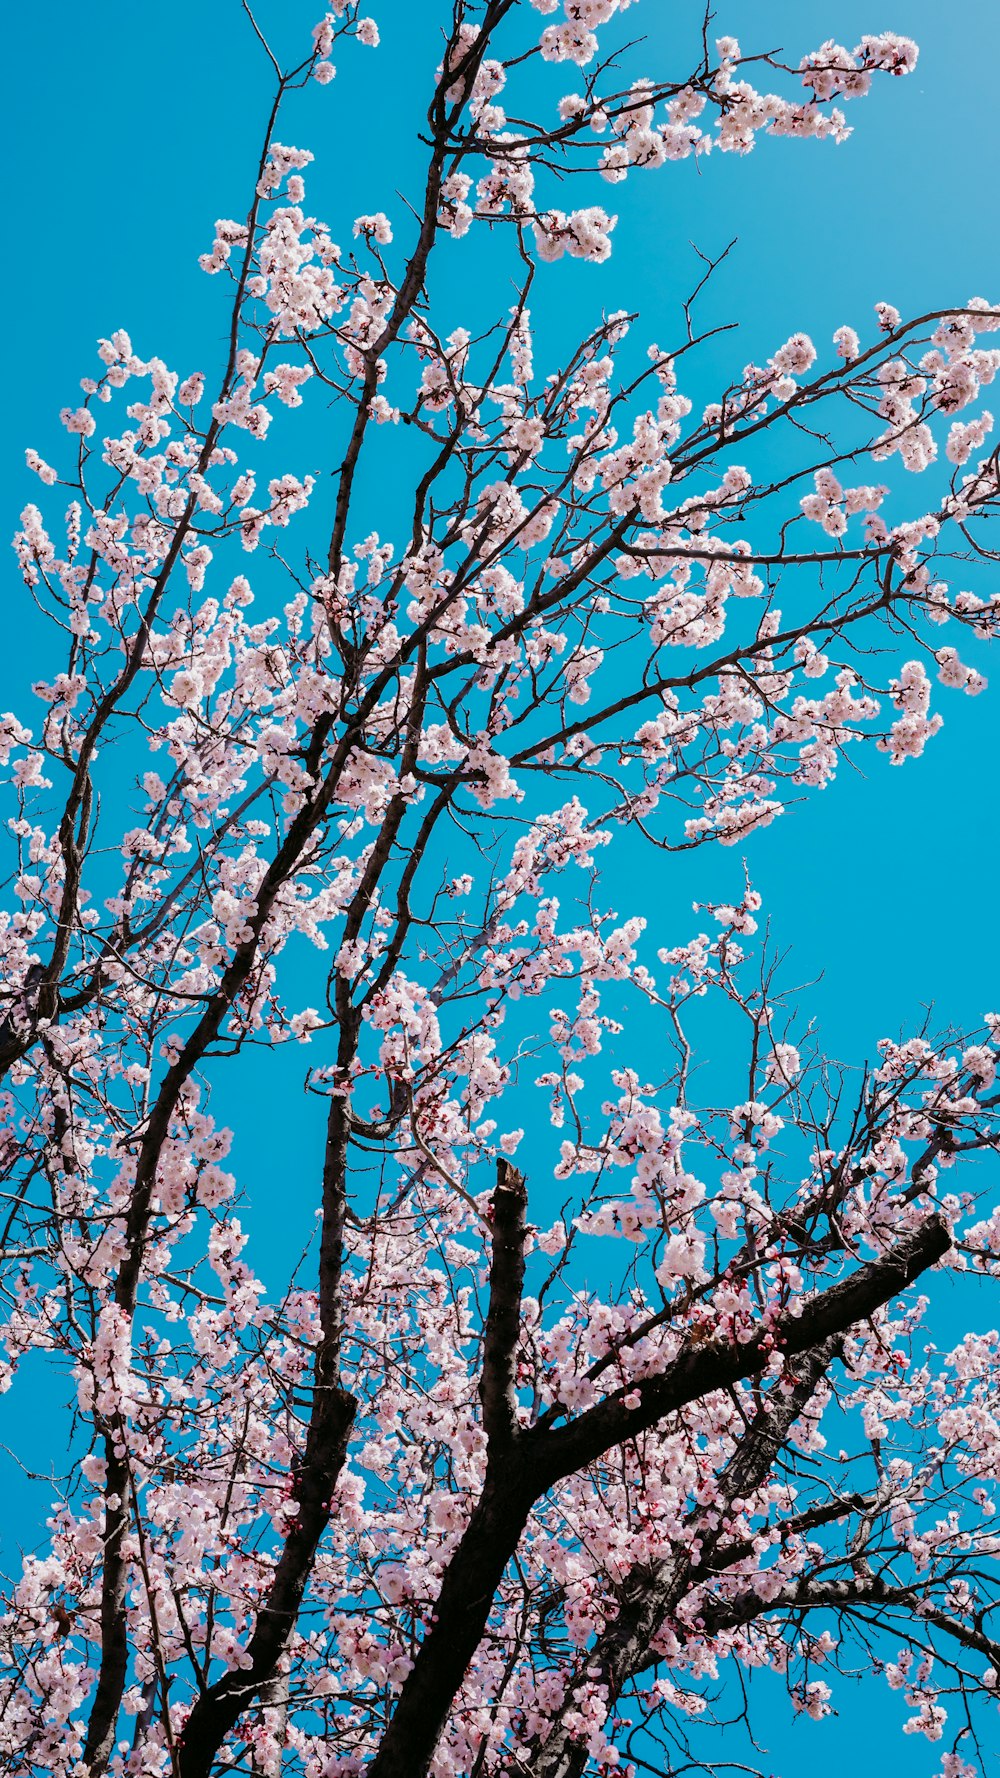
(520, 1475)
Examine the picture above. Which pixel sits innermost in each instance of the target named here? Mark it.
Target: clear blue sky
(130, 127)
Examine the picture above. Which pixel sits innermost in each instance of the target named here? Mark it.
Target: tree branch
(497, 1385)
(699, 1370)
(218, 1709)
(520, 1474)
(649, 1594)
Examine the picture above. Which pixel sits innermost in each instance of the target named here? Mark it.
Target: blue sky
(130, 127)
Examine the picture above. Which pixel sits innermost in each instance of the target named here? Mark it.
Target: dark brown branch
(219, 1707)
(497, 1385)
(521, 1474)
(650, 1594)
(857, 1591)
(699, 1370)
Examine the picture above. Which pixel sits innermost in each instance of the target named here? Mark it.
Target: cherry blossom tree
(606, 1375)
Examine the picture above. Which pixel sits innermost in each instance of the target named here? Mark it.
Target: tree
(499, 1477)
